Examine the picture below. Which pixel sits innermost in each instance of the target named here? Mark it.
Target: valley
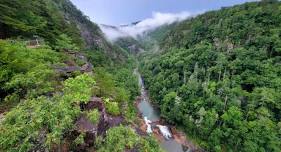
(177, 142)
(177, 82)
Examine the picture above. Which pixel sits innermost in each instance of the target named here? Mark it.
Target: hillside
(49, 19)
(121, 38)
(218, 77)
(63, 86)
(139, 43)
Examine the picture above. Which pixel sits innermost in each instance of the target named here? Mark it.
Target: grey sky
(115, 12)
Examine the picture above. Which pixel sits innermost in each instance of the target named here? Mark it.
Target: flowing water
(152, 114)
(147, 109)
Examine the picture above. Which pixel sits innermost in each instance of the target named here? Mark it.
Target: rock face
(88, 67)
(95, 102)
(91, 35)
(103, 124)
(73, 67)
(89, 31)
(115, 120)
(83, 125)
(68, 69)
(1, 117)
(91, 131)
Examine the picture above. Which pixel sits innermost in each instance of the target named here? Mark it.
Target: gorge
(174, 82)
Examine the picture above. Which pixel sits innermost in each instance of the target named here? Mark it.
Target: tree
(118, 139)
(48, 117)
(79, 89)
(65, 43)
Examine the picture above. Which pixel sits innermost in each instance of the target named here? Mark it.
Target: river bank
(178, 142)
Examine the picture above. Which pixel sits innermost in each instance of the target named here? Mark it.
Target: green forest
(65, 87)
(218, 77)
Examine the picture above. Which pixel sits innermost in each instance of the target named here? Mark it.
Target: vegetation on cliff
(62, 85)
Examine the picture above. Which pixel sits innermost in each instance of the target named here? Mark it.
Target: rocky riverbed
(178, 142)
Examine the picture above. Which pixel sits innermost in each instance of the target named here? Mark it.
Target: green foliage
(120, 84)
(125, 79)
(65, 43)
(47, 117)
(150, 40)
(105, 82)
(23, 124)
(98, 58)
(80, 139)
(219, 76)
(26, 75)
(130, 112)
(79, 89)
(19, 17)
(120, 138)
(61, 25)
(93, 116)
(150, 144)
(44, 18)
(129, 44)
(48, 106)
(26, 72)
(112, 107)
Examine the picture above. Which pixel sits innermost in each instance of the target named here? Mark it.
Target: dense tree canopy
(120, 139)
(219, 77)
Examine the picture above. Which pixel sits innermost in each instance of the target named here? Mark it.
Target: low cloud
(157, 19)
(112, 33)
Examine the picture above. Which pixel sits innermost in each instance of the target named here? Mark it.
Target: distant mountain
(121, 38)
(113, 32)
(146, 40)
(132, 24)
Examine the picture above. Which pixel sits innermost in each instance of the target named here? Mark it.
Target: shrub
(93, 115)
(112, 107)
(80, 139)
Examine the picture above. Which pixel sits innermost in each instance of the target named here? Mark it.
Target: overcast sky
(116, 12)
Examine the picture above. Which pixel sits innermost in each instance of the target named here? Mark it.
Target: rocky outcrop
(91, 131)
(84, 125)
(115, 120)
(95, 102)
(1, 117)
(72, 66)
(88, 67)
(67, 70)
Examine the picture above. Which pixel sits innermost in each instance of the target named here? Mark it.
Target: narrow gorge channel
(177, 142)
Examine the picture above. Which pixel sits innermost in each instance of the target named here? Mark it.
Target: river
(151, 113)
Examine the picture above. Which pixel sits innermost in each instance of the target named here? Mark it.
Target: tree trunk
(225, 102)
(220, 75)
